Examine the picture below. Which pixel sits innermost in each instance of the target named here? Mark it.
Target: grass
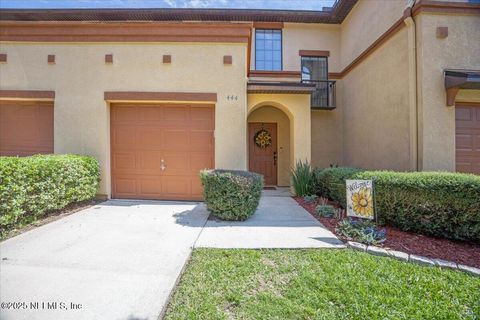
(319, 284)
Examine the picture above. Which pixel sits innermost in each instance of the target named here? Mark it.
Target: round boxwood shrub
(231, 194)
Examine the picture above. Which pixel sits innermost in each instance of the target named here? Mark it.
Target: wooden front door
(263, 158)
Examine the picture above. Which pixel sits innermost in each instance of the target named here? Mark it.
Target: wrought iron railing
(324, 96)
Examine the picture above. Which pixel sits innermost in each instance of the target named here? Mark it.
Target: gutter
(415, 162)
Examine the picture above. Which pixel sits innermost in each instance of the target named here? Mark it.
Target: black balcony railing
(324, 95)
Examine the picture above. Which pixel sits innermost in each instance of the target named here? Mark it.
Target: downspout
(412, 80)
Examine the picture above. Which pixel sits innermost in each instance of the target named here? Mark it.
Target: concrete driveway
(117, 260)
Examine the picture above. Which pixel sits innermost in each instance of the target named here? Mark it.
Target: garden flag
(360, 199)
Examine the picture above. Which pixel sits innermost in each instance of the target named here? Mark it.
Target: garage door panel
(123, 161)
(175, 187)
(148, 137)
(26, 128)
(177, 163)
(200, 140)
(200, 161)
(181, 135)
(151, 186)
(125, 185)
(175, 139)
(197, 189)
(204, 114)
(467, 138)
(149, 161)
(176, 113)
(123, 136)
(126, 114)
(148, 114)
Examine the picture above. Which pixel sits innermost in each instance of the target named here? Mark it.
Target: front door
(262, 144)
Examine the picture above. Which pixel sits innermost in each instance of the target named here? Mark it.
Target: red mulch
(461, 252)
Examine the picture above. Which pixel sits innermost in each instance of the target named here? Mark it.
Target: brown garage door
(467, 118)
(26, 128)
(158, 150)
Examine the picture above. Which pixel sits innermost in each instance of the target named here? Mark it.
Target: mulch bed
(52, 216)
(461, 252)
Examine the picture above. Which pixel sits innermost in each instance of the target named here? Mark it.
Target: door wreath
(262, 138)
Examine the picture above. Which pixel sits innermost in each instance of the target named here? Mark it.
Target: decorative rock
(356, 246)
(377, 251)
(422, 260)
(399, 255)
(472, 270)
(445, 264)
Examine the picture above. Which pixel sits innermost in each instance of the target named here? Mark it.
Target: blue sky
(250, 4)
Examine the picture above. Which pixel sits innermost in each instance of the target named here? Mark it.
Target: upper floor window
(315, 71)
(268, 49)
(314, 68)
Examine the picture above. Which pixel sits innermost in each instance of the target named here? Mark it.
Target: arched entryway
(270, 144)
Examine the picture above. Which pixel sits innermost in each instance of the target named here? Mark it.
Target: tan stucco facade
(80, 77)
(457, 51)
(387, 62)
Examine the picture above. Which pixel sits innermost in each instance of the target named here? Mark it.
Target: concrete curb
(403, 256)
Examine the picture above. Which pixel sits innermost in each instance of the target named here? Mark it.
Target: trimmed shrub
(325, 210)
(33, 186)
(439, 204)
(434, 203)
(231, 194)
(302, 179)
(330, 182)
(360, 230)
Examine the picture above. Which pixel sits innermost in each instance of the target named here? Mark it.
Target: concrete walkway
(121, 259)
(279, 222)
(118, 260)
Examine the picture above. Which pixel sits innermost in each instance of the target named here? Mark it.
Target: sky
(240, 4)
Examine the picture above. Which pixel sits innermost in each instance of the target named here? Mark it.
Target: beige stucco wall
(80, 77)
(327, 138)
(306, 36)
(270, 114)
(297, 108)
(376, 115)
(367, 21)
(460, 50)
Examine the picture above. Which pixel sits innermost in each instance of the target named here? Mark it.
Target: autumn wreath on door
(262, 138)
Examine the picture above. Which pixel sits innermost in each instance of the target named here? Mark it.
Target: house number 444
(232, 97)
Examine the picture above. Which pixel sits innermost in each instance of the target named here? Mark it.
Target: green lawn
(319, 284)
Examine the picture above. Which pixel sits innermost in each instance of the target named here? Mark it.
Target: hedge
(433, 203)
(231, 194)
(330, 182)
(32, 186)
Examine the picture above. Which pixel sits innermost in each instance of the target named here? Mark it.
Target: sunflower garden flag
(360, 199)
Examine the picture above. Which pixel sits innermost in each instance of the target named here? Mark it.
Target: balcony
(323, 92)
(324, 95)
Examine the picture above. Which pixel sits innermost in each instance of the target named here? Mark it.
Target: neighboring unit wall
(304, 36)
(327, 136)
(377, 126)
(459, 50)
(80, 77)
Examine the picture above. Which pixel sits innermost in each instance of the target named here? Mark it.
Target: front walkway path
(121, 259)
(279, 222)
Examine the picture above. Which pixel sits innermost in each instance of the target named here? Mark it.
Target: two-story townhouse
(158, 94)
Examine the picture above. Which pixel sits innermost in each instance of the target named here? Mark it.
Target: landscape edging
(403, 256)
